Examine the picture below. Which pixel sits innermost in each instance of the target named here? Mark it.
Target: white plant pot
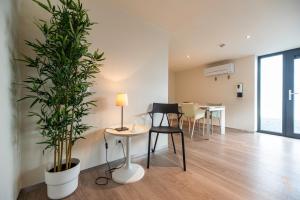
(62, 184)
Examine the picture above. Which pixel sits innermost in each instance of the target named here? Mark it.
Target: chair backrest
(215, 104)
(188, 109)
(165, 109)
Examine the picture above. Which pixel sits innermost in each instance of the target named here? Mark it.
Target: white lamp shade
(121, 99)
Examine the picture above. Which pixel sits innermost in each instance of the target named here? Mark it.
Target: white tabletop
(208, 107)
(212, 108)
(133, 131)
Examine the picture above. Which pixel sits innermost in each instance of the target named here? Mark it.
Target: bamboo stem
(57, 156)
(70, 153)
(57, 159)
(61, 151)
(70, 142)
(60, 155)
(66, 141)
(54, 165)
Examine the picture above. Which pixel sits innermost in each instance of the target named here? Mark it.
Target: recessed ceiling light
(248, 37)
(188, 56)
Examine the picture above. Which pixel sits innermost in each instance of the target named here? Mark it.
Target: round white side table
(131, 172)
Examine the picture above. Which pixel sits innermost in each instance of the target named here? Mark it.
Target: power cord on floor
(109, 171)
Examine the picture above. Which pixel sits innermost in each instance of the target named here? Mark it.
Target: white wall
(172, 89)
(192, 85)
(9, 145)
(136, 62)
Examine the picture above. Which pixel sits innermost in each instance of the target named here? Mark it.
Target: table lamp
(121, 100)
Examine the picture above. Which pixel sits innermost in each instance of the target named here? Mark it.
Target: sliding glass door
(293, 94)
(296, 99)
(278, 88)
(271, 84)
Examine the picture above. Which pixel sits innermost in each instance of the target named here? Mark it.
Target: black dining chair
(165, 110)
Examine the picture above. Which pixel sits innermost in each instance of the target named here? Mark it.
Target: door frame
(286, 112)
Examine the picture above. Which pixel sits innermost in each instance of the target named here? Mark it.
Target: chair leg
(173, 143)
(183, 151)
(171, 121)
(203, 126)
(211, 124)
(181, 123)
(189, 125)
(153, 150)
(149, 143)
(193, 129)
(220, 124)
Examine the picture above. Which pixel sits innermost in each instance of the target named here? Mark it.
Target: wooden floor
(233, 166)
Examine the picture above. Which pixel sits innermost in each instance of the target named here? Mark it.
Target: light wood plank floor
(237, 165)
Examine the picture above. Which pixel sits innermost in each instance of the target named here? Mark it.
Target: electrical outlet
(118, 141)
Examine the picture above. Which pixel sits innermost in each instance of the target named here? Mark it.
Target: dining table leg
(208, 127)
(223, 122)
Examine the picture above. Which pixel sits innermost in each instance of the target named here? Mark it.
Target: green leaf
(34, 102)
(42, 5)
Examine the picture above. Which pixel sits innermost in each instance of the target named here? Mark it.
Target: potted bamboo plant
(58, 90)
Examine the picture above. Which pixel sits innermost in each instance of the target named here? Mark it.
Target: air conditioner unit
(219, 70)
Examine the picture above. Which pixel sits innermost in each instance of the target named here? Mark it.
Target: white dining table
(209, 110)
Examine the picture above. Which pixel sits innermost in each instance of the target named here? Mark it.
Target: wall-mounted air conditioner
(219, 70)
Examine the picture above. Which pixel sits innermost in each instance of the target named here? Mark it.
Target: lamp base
(122, 129)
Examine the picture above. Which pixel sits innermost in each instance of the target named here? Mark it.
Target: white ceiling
(197, 27)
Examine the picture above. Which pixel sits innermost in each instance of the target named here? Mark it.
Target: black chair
(165, 110)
